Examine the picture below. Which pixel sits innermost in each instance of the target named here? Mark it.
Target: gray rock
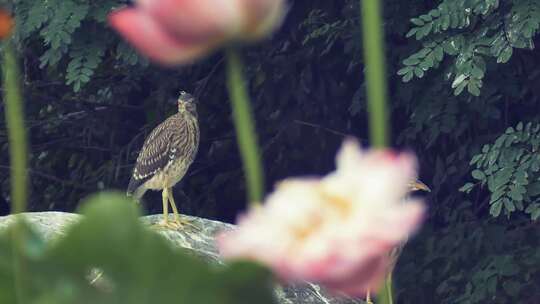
(199, 239)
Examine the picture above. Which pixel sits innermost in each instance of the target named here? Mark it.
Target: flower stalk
(16, 130)
(376, 92)
(375, 72)
(18, 158)
(245, 127)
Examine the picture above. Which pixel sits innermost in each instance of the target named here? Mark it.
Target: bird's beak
(417, 185)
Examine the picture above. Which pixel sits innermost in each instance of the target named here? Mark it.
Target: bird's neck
(186, 115)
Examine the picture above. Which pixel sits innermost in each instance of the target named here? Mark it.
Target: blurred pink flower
(337, 230)
(179, 31)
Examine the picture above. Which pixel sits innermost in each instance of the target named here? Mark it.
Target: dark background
(91, 100)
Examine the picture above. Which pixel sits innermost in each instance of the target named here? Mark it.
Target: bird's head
(186, 103)
(417, 185)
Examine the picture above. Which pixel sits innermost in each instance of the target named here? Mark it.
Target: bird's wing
(153, 157)
(177, 138)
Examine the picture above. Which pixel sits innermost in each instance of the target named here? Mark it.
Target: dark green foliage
(72, 28)
(308, 94)
(475, 262)
(136, 266)
(510, 169)
(84, 60)
(471, 32)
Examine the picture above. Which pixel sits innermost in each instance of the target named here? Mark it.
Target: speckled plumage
(167, 152)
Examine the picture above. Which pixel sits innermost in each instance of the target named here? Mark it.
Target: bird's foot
(177, 224)
(172, 225)
(187, 223)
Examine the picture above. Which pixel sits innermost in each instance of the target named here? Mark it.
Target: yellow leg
(178, 223)
(173, 206)
(165, 199)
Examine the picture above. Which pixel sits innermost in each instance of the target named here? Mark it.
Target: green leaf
(505, 55)
(419, 72)
(412, 60)
(428, 62)
(500, 141)
(466, 188)
(434, 13)
(438, 53)
(516, 192)
(492, 157)
(412, 32)
(136, 265)
(534, 211)
(509, 205)
(475, 159)
(500, 178)
(473, 88)
(426, 18)
(521, 177)
(495, 196)
(407, 77)
(476, 72)
(479, 175)
(417, 21)
(445, 22)
(404, 70)
(459, 80)
(495, 209)
(460, 88)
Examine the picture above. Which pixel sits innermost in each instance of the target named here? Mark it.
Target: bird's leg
(165, 200)
(173, 206)
(165, 196)
(177, 219)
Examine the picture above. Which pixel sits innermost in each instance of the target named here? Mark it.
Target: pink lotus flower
(337, 230)
(178, 31)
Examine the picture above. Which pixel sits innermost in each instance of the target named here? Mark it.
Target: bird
(414, 185)
(166, 155)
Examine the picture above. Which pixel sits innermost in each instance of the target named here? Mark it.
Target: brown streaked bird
(415, 185)
(166, 156)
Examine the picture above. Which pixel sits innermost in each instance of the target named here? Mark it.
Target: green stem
(244, 124)
(390, 289)
(375, 72)
(386, 295)
(16, 130)
(376, 92)
(18, 158)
